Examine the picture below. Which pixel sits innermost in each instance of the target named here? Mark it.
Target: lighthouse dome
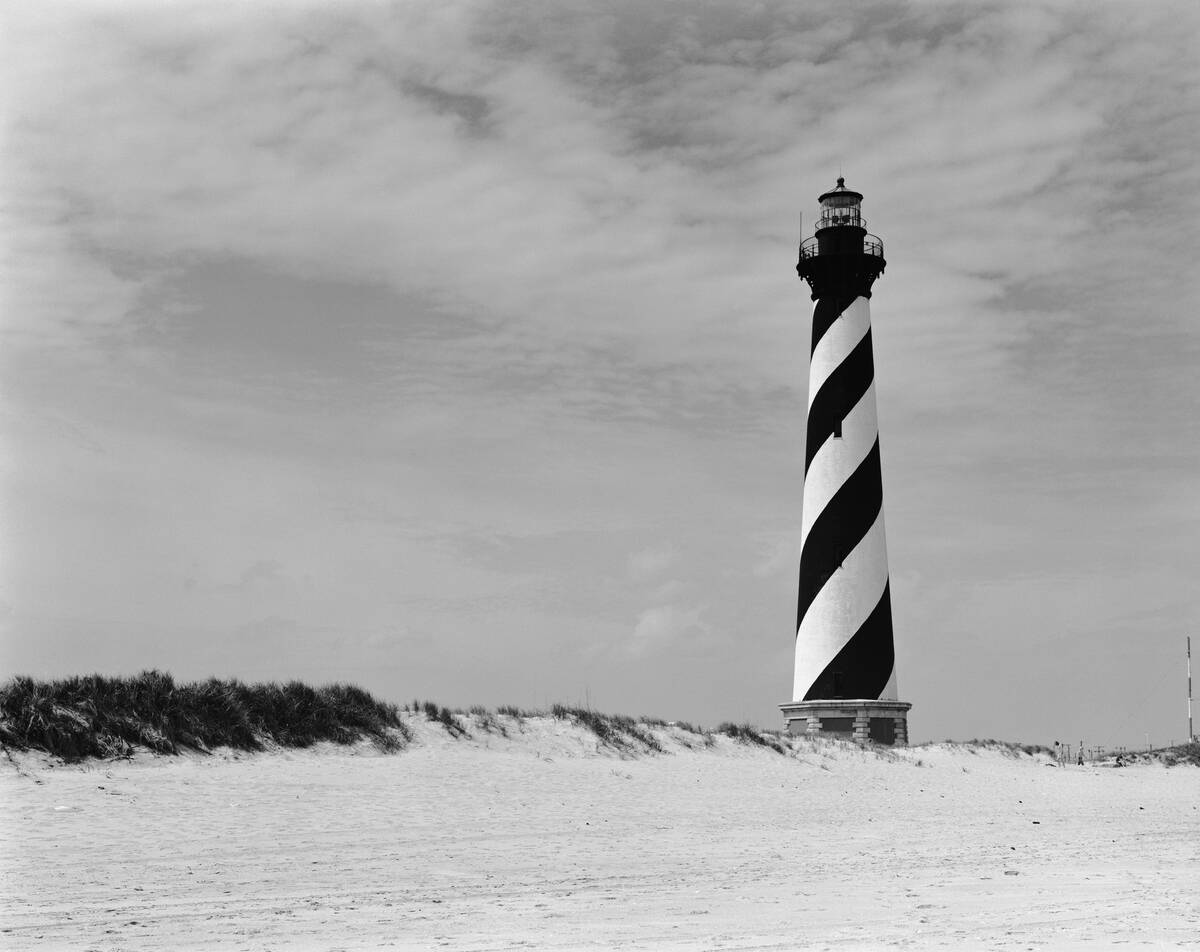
(841, 206)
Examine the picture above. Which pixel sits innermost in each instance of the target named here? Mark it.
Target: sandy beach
(545, 840)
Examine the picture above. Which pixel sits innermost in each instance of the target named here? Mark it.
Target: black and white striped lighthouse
(845, 677)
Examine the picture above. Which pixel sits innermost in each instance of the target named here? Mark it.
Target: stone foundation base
(881, 722)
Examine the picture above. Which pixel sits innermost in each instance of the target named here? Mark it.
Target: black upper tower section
(841, 259)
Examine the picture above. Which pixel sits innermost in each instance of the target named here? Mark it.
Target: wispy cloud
(658, 628)
(648, 564)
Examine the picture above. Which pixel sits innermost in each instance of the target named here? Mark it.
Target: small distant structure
(845, 675)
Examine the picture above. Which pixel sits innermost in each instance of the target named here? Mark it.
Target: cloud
(585, 174)
(661, 627)
(565, 191)
(262, 572)
(782, 556)
(647, 564)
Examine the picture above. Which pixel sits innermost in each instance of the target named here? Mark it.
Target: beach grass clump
(613, 730)
(686, 727)
(1173, 756)
(748, 734)
(519, 715)
(98, 716)
(486, 721)
(446, 717)
(1187, 753)
(1009, 748)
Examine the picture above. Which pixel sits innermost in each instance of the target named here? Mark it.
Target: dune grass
(519, 713)
(444, 716)
(97, 716)
(1009, 748)
(613, 730)
(1186, 753)
(749, 734)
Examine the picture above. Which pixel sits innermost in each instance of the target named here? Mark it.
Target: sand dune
(545, 840)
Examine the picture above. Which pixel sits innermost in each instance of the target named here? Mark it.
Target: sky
(456, 349)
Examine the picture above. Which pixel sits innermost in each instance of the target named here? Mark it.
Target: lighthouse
(845, 674)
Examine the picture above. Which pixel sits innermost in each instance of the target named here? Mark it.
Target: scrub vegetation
(444, 716)
(1005, 747)
(98, 716)
(1185, 753)
(614, 730)
(748, 734)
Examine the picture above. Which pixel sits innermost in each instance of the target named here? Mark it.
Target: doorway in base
(882, 730)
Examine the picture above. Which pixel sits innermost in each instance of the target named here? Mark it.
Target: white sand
(540, 843)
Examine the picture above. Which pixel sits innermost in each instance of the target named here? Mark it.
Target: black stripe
(838, 395)
(828, 310)
(843, 522)
(864, 665)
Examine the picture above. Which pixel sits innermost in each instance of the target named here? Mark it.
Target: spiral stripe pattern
(844, 646)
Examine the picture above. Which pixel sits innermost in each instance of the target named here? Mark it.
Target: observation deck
(841, 257)
(871, 245)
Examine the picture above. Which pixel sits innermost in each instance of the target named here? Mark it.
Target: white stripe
(891, 692)
(838, 341)
(838, 458)
(840, 608)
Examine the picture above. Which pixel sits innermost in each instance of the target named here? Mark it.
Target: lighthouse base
(865, 721)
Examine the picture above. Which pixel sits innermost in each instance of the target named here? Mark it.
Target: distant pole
(1191, 734)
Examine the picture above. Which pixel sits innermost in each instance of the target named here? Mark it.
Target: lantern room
(841, 207)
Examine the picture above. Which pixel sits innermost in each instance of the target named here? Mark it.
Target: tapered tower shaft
(844, 616)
